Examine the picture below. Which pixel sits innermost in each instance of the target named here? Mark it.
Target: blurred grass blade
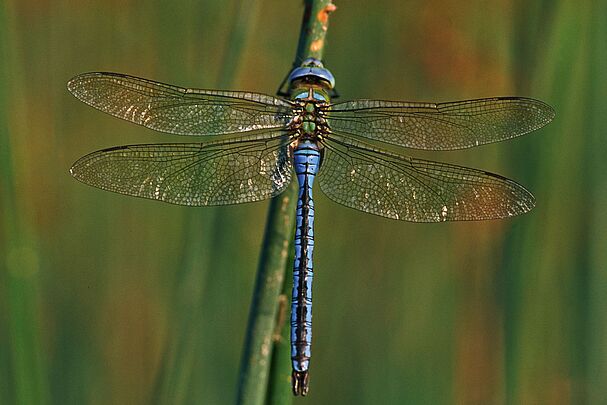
(245, 19)
(18, 254)
(178, 362)
(596, 369)
(547, 264)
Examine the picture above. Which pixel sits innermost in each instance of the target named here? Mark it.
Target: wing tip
(523, 200)
(76, 168)
(546, 113)
(72, 84)
(76, 83)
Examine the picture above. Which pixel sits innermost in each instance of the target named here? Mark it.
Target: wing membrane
(179, 110)
(195, 174)
(443, 126)
(398, 187)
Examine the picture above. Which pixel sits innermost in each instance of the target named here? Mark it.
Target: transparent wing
(443, 126)
(179, 110)
(213, 173)
(399, 187)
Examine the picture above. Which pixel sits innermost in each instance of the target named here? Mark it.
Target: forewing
(179, 110)
(195, 174)
(443, 126)
(399, 187)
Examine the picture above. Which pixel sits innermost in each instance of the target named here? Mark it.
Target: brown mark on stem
(317, 45)
(323, 18)
(323, 15)
(281, 318)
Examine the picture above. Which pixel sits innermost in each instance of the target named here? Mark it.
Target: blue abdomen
(307, 160)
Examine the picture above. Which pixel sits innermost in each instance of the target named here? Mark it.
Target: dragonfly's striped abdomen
(307, 160)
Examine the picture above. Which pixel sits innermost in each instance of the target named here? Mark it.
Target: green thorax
(311, 100)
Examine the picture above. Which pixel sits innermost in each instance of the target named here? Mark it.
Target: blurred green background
(106, 299)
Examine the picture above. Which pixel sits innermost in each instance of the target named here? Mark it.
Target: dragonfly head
(312, 71)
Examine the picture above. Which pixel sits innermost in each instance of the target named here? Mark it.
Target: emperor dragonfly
(261, 140)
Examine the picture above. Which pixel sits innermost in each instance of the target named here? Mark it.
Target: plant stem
(279, 387)
(262, 318)
(257, 357)
(314, 29)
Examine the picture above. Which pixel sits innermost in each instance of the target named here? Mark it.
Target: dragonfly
(256, 142)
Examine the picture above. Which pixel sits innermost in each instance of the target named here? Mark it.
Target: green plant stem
(262, 318)
(259, 347)
(314, 29)
(279, 387)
